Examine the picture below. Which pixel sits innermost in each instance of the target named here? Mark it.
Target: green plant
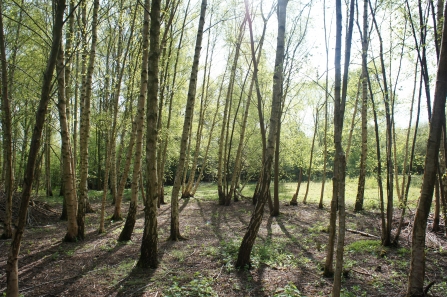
(200, 286)
(289, 290)
(364, 246)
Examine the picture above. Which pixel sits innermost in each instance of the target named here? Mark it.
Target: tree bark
(175, 228)
(67, 157)
(243, 259)
(129, 225)
(12, 280)
(86, 93)
(417, 264)
(7, 134)
(362, 174)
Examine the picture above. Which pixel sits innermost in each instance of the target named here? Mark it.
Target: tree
(247, 243)
(12, 262)
(362, 174)
(149, 243)
(86, 93)
(126, 233)
(7, 137)
(66, 150)
(417, 265)
(175, 228)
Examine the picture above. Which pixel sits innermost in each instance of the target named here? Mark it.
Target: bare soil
(287, 258)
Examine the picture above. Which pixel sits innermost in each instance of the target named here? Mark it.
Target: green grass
(364, 246)
(208, 191)
(371, 202)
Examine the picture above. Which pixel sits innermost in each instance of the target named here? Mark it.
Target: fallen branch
(363, 272)
(363, 233)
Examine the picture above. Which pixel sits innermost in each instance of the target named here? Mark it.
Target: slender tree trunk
(340, 159)
(354, 116)
(204, 101)
(417, 265)
(175, 228)
(129, 225)
(309, 169)
(409, 168)
(389, 163)
(222, 152)
(294, 200)
(165, 141)
(86, 94)
(67, 157)
(7, 135)
(47, 151)
(12, 277)
(149, 243)
(243, 259)
(362, 174)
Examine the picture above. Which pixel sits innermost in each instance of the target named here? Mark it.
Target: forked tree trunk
(7, 136)
(340, 159)
(165, 141)
(243, 259)
(222, 152)
(129, 225)
(204, 101)
(417, 264)
(12, 273)
(386, 241)
(68, 171)
(117, 191)
(175, 226)
(408, 169)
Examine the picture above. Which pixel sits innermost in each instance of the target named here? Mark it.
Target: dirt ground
(287, 257)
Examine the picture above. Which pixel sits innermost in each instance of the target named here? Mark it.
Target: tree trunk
(309, 169)
(86, 93)
(204, 101)
(222, 152)
(294, 200)
(129, 225)
(149, 243)
(47, 150)
(7, 135)
(175, 228)
(165, 140)
(417, 265)
(12, 276)
(243, 259)
(389, 141)
(67, 157)
(408, 169)
(362, 174)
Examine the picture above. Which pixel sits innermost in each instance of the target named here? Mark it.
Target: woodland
(205, 148)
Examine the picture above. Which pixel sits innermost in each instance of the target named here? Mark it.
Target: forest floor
(287, 258)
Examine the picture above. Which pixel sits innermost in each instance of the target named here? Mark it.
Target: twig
(220, 272)
(364, 273)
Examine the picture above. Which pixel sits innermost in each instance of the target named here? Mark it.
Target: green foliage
(273, 253)
(200, 286)
(290, 290)
(364, 246)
